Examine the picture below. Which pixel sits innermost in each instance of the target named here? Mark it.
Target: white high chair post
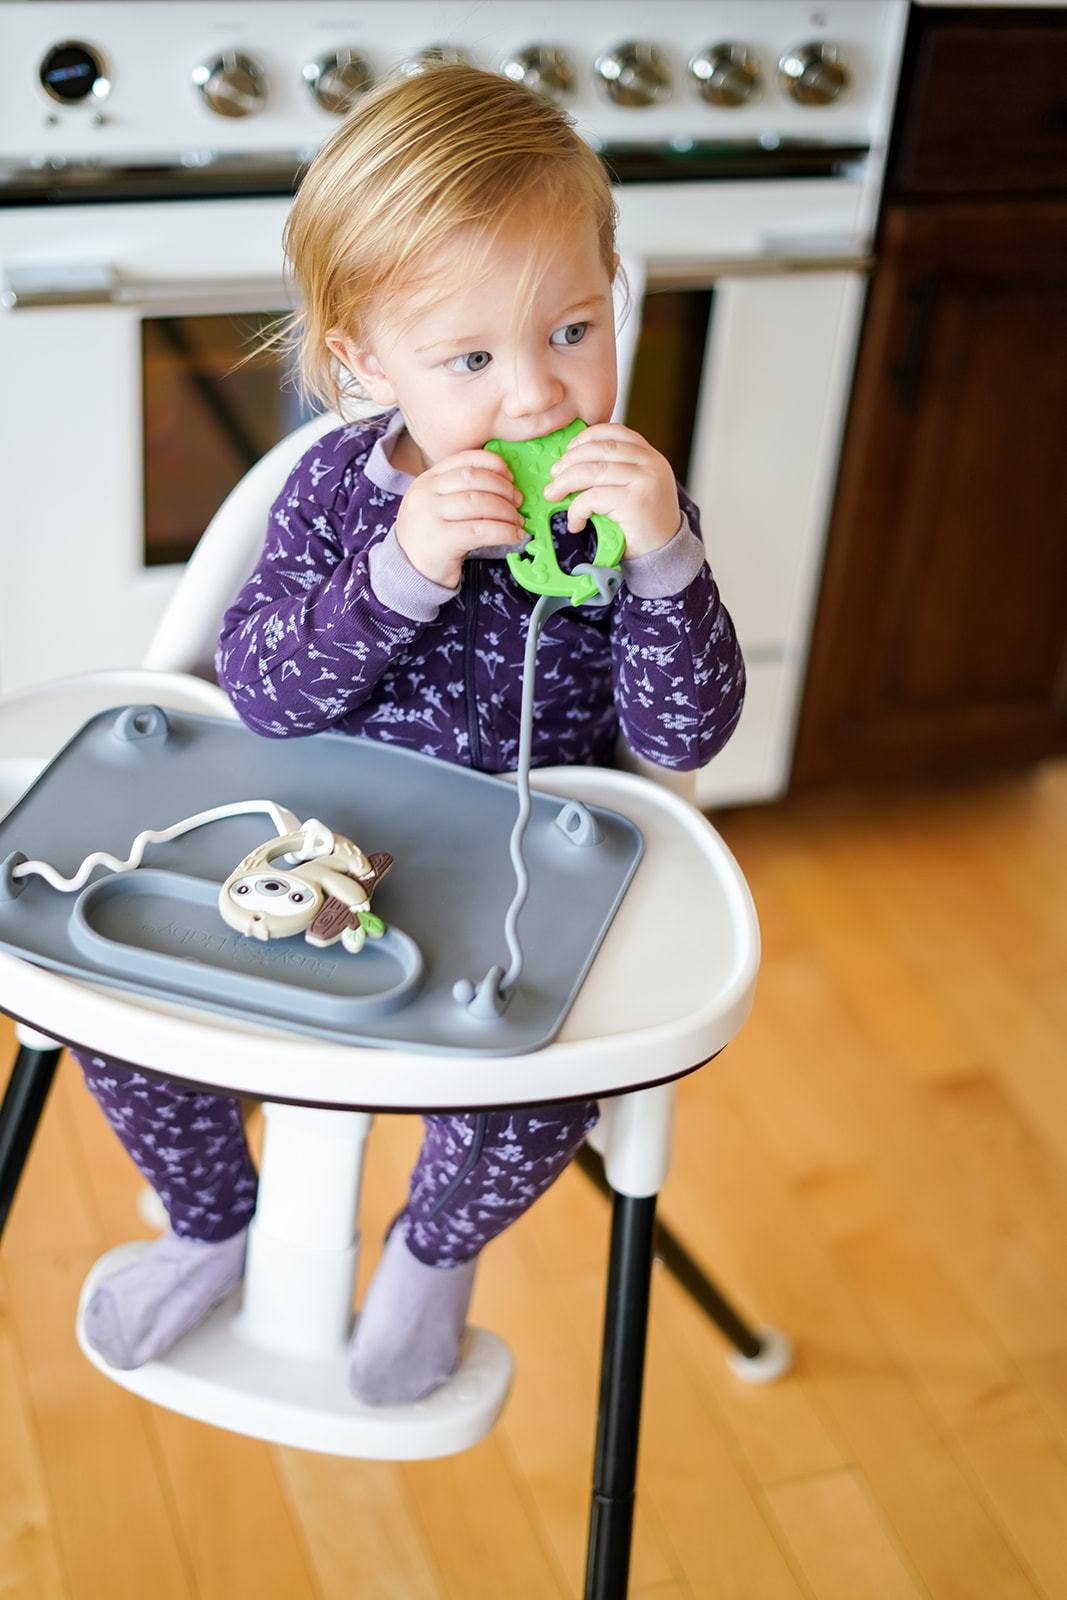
(634, 1138)
(303, 1243)
(30, 1039)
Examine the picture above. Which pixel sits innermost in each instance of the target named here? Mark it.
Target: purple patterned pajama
(335, 629)
(476, 1172)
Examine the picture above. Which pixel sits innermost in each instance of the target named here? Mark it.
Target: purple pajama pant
(476, 1172)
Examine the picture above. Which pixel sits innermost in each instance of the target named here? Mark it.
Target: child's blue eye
(478, 361)
(573, 333)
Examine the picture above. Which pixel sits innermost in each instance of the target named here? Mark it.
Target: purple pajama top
(336, 629)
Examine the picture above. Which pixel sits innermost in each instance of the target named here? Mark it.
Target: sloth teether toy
(326, 897)
(323, 891)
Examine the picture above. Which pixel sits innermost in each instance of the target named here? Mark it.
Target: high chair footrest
(218, 1377)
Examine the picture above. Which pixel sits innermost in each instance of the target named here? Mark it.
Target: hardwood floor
(878, 1165)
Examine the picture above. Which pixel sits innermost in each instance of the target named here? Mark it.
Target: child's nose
(533, 388)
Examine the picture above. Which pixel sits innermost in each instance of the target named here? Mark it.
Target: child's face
(468, 370)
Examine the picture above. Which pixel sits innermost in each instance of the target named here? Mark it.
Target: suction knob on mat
(141, 722)
(488, 1000)
(578, 825)
(10, 886)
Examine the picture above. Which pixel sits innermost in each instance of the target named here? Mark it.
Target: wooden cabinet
(940, 641)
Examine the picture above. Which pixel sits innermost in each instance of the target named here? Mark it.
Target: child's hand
(612, 470)
(455, 506)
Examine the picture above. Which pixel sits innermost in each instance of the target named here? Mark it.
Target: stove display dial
(543, 68)
(814, 74)
(634, 73)
(726, 74)
(72, 72)
(432, 54)
(233, 84)
(337, 80)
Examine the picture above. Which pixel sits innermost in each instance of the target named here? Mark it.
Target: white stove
(148, 155)
(192, 82)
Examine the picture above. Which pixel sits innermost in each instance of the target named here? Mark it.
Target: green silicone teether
(537, 567)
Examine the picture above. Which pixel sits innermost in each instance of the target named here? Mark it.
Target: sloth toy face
(284, 896)
(325, 898)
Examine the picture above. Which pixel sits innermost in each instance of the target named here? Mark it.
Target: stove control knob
(74, 71)
(543, 68)
(432, 54)
(634, 74)
(336, 81)
(814, 74)
(726, 74)
(232, 84)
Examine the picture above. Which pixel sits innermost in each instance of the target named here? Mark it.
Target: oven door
(753, 296)
(741, 377)
(129, 421)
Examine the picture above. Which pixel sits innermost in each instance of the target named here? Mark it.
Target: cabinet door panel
(986, 106)
(939, 642)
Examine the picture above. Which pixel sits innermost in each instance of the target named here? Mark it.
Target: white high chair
(271, 1362)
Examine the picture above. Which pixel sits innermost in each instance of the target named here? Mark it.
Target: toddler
(454, 244)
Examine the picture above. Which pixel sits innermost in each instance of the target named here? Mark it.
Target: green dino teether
(537, 567)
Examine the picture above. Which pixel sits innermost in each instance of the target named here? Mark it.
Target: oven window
(205, 424)
(665, 384)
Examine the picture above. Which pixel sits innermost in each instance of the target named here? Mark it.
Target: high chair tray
(157, 930)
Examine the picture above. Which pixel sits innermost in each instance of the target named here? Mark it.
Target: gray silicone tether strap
(494, 991)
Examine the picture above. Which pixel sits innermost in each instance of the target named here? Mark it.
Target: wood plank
(112, 1513)
(709, 1503)
(216, 1481)
(548, 1430)
(475, 1517)
(836, 1533)
(944, 1526)
(872, 1113)
(362, 1531)
(29, 1557)
(925, 1317)
(779, 1429)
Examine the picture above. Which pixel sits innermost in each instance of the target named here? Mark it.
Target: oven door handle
(100, 284)
(773, 256)
(57, 284)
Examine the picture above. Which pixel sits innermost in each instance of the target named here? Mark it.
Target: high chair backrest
(189, 629)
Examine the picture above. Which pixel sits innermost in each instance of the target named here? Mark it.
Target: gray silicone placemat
(157, 930)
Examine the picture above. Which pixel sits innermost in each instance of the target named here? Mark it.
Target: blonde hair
(418, 160)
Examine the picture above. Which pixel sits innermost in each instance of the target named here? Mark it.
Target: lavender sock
(410, 1325)
(141, 1310)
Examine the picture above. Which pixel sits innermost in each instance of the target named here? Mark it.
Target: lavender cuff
(402, 587)
(666, 571)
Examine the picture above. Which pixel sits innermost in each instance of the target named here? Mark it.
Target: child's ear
(363, 365)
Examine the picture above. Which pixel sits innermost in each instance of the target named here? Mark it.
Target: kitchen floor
(878, 1165)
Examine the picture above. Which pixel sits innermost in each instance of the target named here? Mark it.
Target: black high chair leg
(622, 1373)
(672, 1254)
(24, 1101)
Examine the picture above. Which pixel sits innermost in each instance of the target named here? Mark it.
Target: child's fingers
(467, 505)
(606, 475)
(474, 478)
(466, 460)
(603, 501)
(616, 432)
(484, 531)
(596, 467)
(608, 441)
